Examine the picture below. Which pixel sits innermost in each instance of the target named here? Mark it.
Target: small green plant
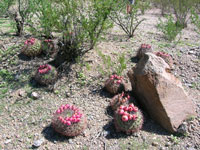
(169, 28)
(69, 120)
(174, 139)
(110, 66)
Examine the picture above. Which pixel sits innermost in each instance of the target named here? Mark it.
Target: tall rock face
(160, 92)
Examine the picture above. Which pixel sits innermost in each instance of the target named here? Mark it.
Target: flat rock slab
(160, 92)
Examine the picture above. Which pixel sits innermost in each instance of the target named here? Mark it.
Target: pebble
(22, 93)
(38, 143)
(182, 128)
(34, 95)
(7, 141)
(154, 144)
(167, 144)
(70, 141)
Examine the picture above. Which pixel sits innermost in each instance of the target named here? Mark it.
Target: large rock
(160, 92)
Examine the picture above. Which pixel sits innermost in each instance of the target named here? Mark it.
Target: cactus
(128, 118)
(48, 47)
(46, 74)
(119, 99)
(166, 57)
(115, 84)
(68, 120)
(144, 48)
(32, 47)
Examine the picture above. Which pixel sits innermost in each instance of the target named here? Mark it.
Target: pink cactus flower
(124, 118)
(130, 109)
(130, 117)
(58, 111)
(121, 111)
(134, 116)
(135, 109)
(68, 123)
(121, 107)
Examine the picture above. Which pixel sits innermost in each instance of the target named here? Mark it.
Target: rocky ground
(25, 121)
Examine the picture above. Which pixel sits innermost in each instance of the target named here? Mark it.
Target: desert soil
(24, 120)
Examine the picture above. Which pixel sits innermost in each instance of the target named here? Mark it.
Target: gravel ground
(25, 121)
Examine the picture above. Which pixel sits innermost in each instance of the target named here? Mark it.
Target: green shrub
(169, 28)
(78, 24)
(127, 21)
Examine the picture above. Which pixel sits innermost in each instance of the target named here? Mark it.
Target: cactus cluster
(32, 47)
(46, 74)
(69, 120)
(144, 48)
(119, 99)
(115, 84)
(166, 57)
(128, 118)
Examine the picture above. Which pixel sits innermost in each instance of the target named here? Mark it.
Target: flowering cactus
(166, 57)
(119, 99)
(115, 84)
(128, 118)
(144, 48)
(32, 47)
(68, 120)
(46, 74)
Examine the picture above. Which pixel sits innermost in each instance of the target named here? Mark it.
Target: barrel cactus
(128, 119)
(115, 84)
(32, 47)
(166, 57)
(119, 99)
(69, 120)
(46, 74)
(144, 48)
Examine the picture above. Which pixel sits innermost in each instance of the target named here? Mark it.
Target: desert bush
(78, 24)
(169, 27)
(127, 21)
(18, 10)
(180, 8)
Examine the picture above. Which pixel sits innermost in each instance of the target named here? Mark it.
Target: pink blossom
(124, 118)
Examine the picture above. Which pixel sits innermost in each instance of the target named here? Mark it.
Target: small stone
(34, 95)
(154, 144)
(70, 141)
(38, 143)
(182, 128)
(86, 133)
(7, 141)
(167, 144)
(21, 93)
(67, 94)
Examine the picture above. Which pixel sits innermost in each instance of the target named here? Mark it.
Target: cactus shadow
(23, 57)
(134, 59)
(112, 133)
(52, 136)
